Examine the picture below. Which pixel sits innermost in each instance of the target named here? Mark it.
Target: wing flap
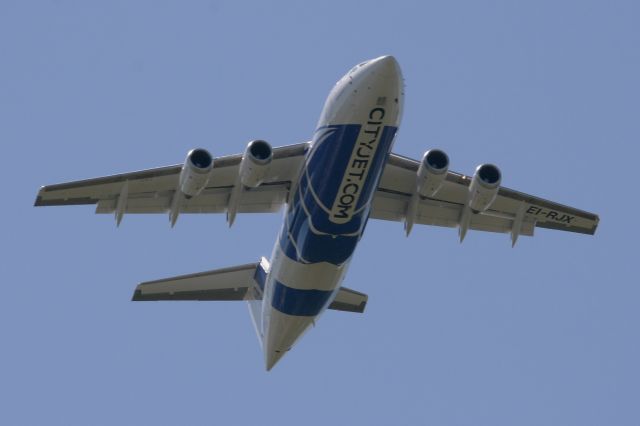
(267, 198)
(393, 207)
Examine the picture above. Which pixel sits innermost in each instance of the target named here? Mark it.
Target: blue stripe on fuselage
(309, 235)
(293, 301)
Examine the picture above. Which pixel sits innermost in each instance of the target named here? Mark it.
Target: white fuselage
(330, 203)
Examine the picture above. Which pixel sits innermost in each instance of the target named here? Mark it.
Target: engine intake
(432, 172)
(195, 172)
(484, 187)
(255, 163)
(200, 158)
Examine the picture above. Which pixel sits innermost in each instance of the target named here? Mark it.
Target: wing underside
(510, 210)
(152, 191)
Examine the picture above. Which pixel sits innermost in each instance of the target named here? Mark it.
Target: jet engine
(432, 172)
(255, 163)
(484, 187)
(195, 172)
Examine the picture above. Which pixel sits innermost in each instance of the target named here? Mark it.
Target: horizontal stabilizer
(243, 282)
(221, 284)
(349, 300)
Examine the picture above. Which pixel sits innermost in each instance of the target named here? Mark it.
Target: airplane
(329, 188)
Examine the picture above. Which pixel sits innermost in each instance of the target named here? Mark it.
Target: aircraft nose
(385, 65)
(373, 82)
(382, 72)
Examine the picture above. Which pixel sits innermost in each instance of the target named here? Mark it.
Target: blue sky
(471, 334)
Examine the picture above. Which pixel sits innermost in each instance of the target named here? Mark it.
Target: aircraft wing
(151, 191)
(512, 211)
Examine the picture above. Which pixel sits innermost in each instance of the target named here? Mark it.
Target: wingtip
(137, 296)
(38, 201)
(595, 225)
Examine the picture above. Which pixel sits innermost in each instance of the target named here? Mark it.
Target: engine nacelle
(484, 187)
(195, 172)
(432, 172)
(255, 163)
